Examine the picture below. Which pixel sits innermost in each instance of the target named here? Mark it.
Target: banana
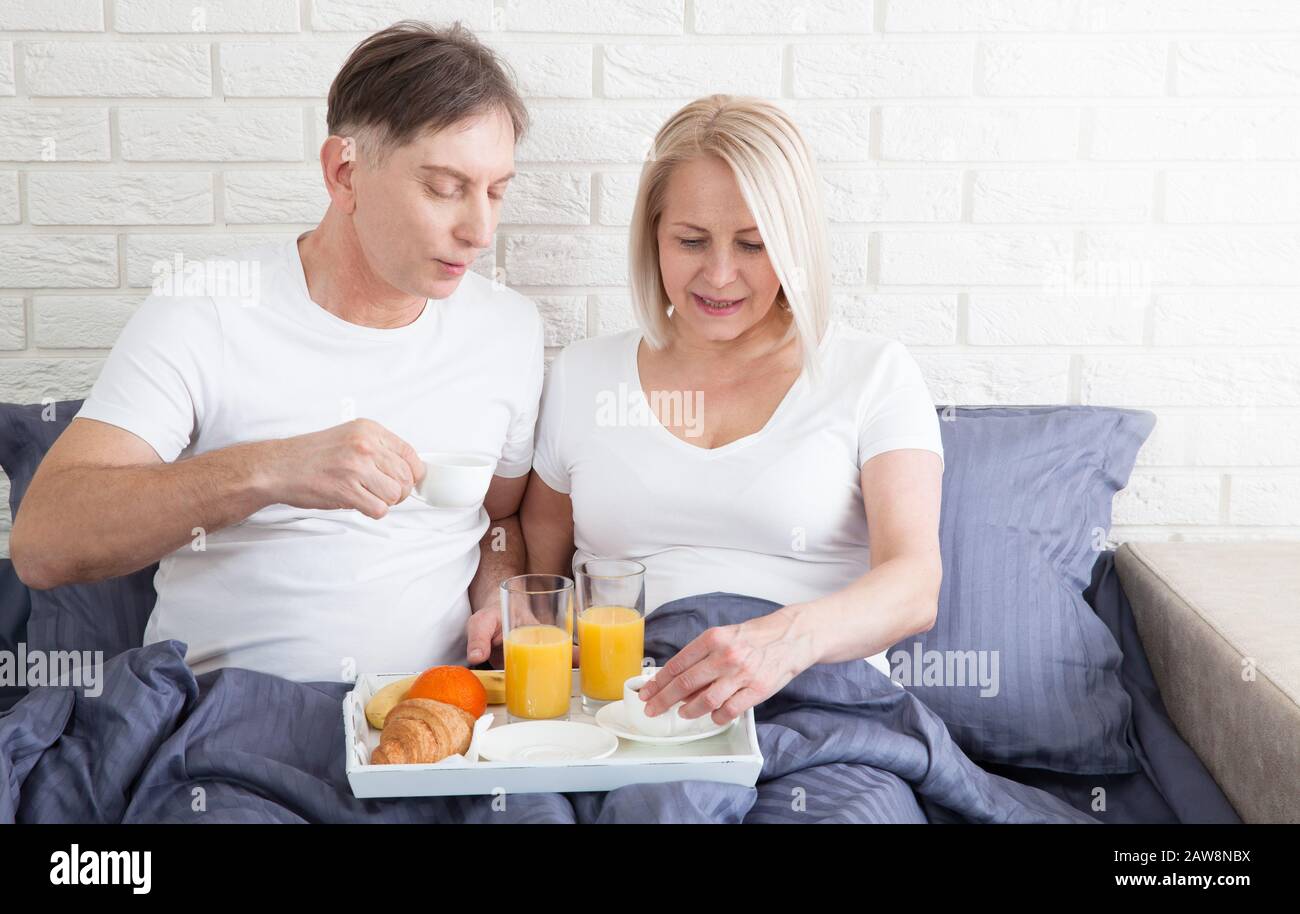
(494, 681)
(385, 700)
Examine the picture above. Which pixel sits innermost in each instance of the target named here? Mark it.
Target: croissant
(420, 730)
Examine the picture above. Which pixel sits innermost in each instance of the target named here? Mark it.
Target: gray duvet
(840, 742)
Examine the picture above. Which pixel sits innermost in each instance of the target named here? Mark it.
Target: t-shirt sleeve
(517, 452)
(160, 379)
(899, 411)
(548, 460)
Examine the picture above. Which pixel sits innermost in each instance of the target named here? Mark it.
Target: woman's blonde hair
(777, 178)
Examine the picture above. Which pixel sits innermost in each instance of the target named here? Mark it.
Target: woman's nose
(720, 271)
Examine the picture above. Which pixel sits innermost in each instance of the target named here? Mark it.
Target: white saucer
(611, 717)
(546, 741)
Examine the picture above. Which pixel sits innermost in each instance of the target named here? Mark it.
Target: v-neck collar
(633, 372)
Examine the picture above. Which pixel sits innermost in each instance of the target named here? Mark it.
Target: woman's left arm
(729, 669)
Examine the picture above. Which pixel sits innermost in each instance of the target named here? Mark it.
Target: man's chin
(441, 287)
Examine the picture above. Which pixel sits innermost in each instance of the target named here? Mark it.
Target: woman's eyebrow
(752, 228)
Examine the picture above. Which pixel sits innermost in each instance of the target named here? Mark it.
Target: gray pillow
(107, 616)
(1026, 508)
(15, 606)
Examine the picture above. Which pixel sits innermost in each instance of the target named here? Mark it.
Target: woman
(738, 441)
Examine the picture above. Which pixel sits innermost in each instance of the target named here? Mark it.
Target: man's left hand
(483, 638)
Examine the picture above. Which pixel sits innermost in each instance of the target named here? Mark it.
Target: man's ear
(338, 162)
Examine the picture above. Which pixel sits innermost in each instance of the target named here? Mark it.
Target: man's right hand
(359, 465)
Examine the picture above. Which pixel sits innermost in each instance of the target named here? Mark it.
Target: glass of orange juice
(537, 641)
(611, 628)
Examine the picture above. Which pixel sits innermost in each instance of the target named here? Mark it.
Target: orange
(454, 685)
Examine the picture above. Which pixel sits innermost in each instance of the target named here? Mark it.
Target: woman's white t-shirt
(777, 514)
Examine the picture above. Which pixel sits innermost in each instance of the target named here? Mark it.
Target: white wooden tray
(732, 757)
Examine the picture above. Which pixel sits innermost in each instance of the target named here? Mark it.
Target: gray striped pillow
(1018, 665)
(108, 615)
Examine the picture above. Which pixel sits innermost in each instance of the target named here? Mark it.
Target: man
(264, 450)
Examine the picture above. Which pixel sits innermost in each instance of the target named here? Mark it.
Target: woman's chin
(720, 329)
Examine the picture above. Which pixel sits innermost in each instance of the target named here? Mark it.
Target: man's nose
(476, 223)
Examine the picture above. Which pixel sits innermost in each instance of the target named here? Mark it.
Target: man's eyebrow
(752, 228)
(460, 175)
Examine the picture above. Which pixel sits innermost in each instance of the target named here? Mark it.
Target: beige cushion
(1206, 613)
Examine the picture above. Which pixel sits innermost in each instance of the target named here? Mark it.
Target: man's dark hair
(411, 79)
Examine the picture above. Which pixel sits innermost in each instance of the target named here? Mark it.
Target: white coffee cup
(666, 723)
(454, 480)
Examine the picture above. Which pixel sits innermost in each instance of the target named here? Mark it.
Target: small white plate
(546, 741)
(611, 717)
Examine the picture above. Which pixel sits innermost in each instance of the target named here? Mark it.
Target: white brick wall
(1048, 201)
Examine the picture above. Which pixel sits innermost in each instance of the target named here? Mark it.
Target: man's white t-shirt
(308, 594)
(777, 514)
